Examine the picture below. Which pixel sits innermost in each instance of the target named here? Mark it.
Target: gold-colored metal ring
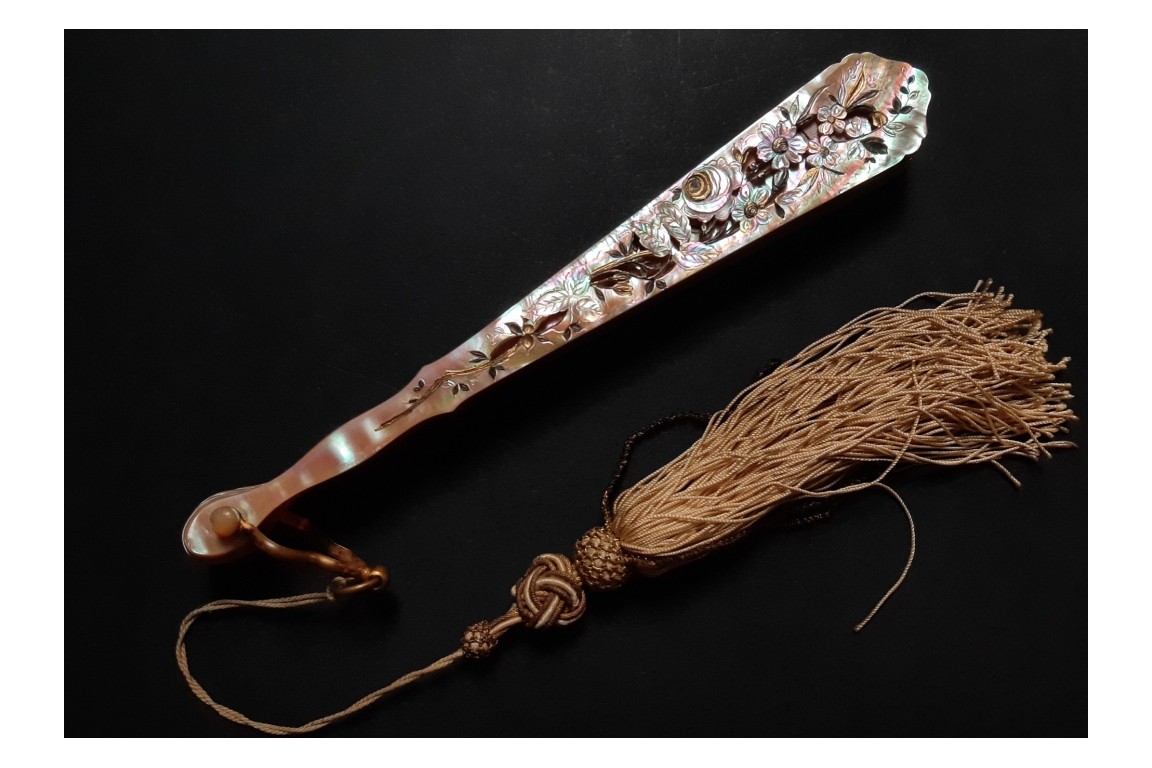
(367, 580)
(344, 587)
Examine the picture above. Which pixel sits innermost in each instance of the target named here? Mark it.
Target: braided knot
(549, 593)
(478, 640)
(600, 561)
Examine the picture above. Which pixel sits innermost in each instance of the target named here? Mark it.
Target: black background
(268, 233)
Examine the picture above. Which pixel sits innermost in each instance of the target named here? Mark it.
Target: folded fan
(853, 121)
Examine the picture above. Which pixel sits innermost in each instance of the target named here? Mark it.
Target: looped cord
(299, 601)
(550, 593)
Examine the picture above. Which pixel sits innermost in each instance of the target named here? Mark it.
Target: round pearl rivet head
(225, 521)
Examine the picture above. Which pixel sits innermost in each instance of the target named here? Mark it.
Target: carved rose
(707, 192)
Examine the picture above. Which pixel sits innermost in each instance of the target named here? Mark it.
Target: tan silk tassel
(946, 379)
(962, 382)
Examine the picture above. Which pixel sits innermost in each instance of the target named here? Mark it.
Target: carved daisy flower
(707, 192)
(831, 119)
(821, 153)
(781, 146)
(750, 207)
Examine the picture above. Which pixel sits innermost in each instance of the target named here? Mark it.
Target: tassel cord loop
(297, 601)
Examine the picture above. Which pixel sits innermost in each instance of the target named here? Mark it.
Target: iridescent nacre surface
(851, 122)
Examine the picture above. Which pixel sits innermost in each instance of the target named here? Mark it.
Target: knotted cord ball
(549, 593)
(600, 561)
(478, 640)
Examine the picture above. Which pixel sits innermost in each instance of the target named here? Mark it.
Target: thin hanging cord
(907, 565)
(299, 601)
(613, 489)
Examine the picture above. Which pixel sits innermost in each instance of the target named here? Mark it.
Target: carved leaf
(654, 266)
(626, 270)
(552, 301)
(807, 177)
(587, 309)
(716, 230)
(788, 198)
(578, 283)
(625, 241)
(694, 255)
(653, 235)
(674, 220)
(664, 269)
(551, 321)
(505, 346)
